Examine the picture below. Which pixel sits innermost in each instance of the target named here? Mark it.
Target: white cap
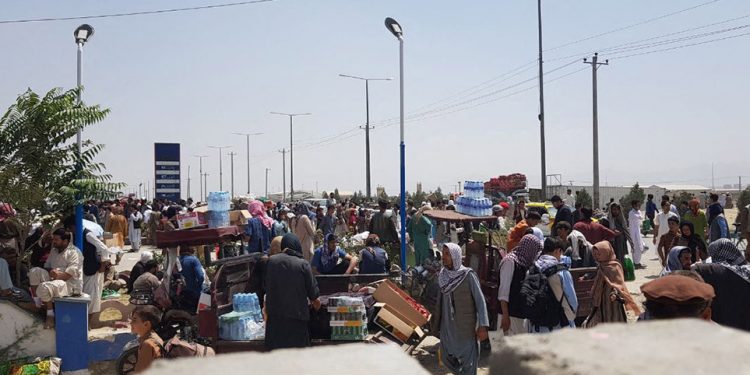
(146, 256)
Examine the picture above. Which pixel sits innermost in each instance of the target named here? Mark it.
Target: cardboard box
(396, 324)
(188, 220)
(236, 217)
(390, 294)
(239, 217)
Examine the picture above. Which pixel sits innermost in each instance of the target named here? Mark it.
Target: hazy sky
(196, 77)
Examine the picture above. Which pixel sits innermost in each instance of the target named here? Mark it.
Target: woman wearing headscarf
(679, 258)
(693, 241)
(303, 228)
(290, 291)
(258, 229)
(461, 319)
(610, 294)
(420, 229)
(512, 273)
(617, 222)
(729, 274)
(374, 258)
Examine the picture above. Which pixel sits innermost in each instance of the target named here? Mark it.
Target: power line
(632, 25)
(480, 97)
(128, 14)
(679, 47)
(437, 115)
(622, 45)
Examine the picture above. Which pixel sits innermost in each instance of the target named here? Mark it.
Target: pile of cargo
(348, 318)
(245, 322)
(506, 184)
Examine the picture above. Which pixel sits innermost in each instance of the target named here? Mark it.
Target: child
(143, 322)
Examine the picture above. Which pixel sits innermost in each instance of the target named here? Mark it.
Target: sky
(196, 77)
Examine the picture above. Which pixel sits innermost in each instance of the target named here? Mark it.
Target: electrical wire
(619, 46)
(679, 47)
(623, 28)
(128, 14)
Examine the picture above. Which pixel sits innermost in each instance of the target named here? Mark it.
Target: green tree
(744, 198)
(41, 172)
(324, 195)
(40, 169)
(583, 197)
(438, 193)
(636, 193)
(336, 195)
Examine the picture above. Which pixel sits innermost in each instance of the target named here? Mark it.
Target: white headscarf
(449, 279)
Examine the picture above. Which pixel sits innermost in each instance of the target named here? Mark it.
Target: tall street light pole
(367, 124)
(267, 169)
(231, 171)
(541, 103)
(81, 34)
(594, 67)
(247, 135)
(397, 31)
(283, 174)
(291, 149)
(200, 174)
(221, 171)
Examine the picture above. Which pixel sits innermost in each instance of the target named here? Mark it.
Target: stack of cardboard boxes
(398, 313)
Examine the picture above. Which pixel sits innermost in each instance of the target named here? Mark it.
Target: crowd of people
(704, 275)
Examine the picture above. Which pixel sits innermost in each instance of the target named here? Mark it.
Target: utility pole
(367, 126)
(247, 136)
(740, 186)
(283, 174)
(541, 103)
(594, 67)
(188, 192)
(200, 175)
(231, 173)
(205, 183)
(221, 171)
(267, 169)
(291, 149)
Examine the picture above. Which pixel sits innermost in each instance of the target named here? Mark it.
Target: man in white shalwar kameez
(134, 229)
(635, 219)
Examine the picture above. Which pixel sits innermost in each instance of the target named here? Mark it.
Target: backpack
(540, 305)
(179, 348)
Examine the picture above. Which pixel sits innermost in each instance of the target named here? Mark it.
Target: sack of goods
(348, 318)
(245, 322)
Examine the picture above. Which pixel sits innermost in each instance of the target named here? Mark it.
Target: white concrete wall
(24, 334)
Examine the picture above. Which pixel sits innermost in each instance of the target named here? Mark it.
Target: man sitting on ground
(678, 296)
(62, 274)
(148, 281)
(330, 259)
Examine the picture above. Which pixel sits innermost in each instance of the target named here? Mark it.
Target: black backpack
(541, 307)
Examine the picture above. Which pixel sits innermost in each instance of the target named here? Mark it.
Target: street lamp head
(83, 33)
(394, 28)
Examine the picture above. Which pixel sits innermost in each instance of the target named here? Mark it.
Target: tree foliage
(40, 169)
(744, 198)
(584, 198)
(636, 193)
